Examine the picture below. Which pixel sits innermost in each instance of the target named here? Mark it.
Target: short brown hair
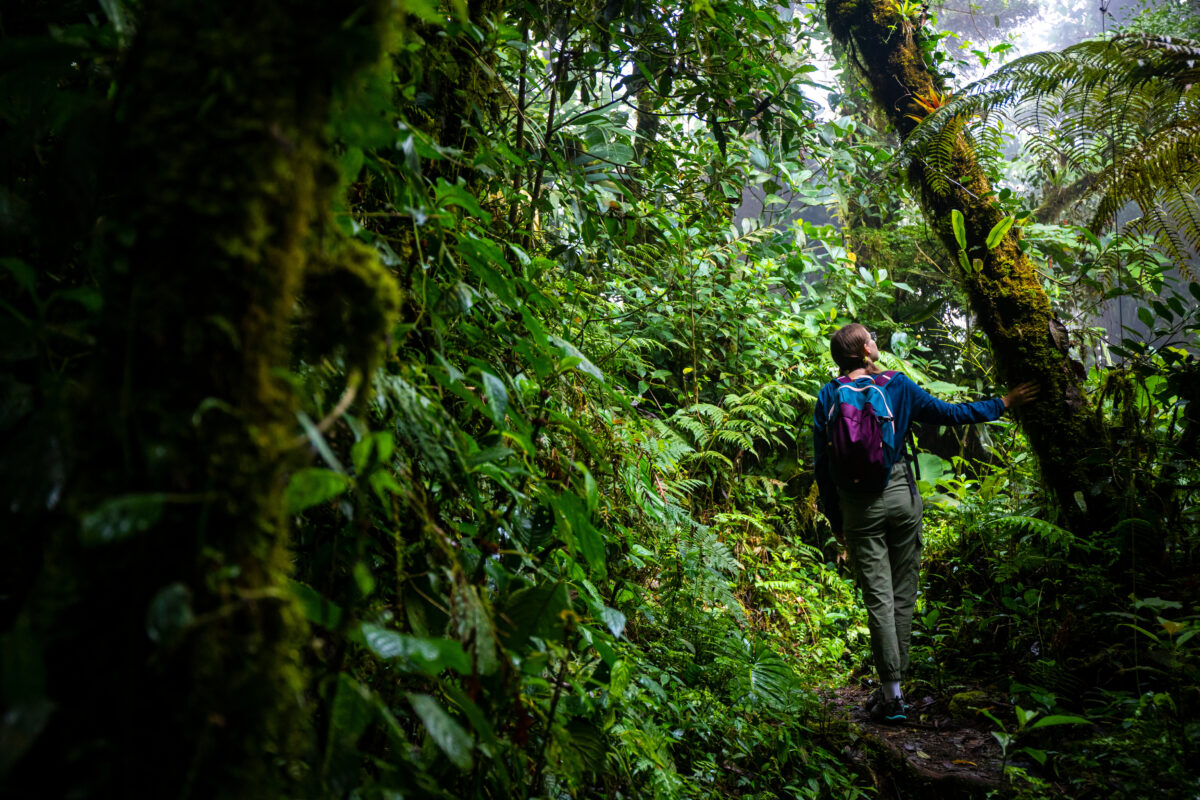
(846, 347)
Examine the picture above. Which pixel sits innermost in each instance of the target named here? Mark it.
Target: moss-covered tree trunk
(1005, 293)
(170, 643)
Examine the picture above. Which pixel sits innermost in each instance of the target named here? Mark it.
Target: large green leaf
(429, 655)
(317, 609)
(1059, 719)
(932, 467)
(588, 742)
(614, 620)
(959, 226)
(572, 351)
(352, 710)
(475, 625)
(445, 731)
(497, 396)
(614, 152)
(312, 486)
(770, 678)
(121, 517)
(534, 612)
(996, 234)
(576, 526)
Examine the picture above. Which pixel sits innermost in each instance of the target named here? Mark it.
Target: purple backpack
(860, 426)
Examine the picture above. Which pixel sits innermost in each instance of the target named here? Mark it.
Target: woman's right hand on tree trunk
(1020, 395)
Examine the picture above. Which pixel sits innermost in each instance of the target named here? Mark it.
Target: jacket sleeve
(826, 488)
(927, 408)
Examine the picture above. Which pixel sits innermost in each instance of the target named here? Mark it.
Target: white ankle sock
(891, 690)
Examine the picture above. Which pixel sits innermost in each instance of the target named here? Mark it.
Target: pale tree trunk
(1005, 293)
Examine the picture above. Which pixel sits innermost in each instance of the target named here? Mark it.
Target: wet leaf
(960, 228)
(121, 517)
(430, 655)
(614, 620)
(996, 234)
(312, 486)
(583, 364)
(170, 612)
(497, 397)
(445, 731)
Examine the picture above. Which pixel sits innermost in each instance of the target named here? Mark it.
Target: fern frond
(688, 485)
(730, 518)
(710, 412)
(1126, 110)
(779, 587)
(1046, 531)
(704, 456)
(693, 426)
(733, 437)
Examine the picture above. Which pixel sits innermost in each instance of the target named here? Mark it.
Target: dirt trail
(936, 753)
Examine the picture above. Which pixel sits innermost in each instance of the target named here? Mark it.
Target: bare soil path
(934, 755)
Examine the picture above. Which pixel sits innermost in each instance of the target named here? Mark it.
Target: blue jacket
(908, 402)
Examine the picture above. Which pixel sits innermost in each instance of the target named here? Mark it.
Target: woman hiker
(870, 497)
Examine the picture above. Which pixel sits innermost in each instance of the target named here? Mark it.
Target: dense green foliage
(561, 539)
(1120, 112)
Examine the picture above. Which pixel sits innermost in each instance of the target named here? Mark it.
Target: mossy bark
(171, 643)
(457, 89)
(1005, 293)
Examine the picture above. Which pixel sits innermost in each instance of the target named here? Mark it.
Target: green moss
(965, 705)
(351, 302)
(223, 204)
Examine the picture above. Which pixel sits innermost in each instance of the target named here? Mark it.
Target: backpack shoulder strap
(837, 383)
(883, 378)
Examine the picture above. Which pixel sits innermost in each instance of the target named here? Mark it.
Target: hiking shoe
(874, 700)
(892, 711)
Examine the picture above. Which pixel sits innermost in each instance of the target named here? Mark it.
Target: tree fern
(1125, 109)
(734, 437)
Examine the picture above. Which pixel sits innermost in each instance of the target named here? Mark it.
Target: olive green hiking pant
(883, 535)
